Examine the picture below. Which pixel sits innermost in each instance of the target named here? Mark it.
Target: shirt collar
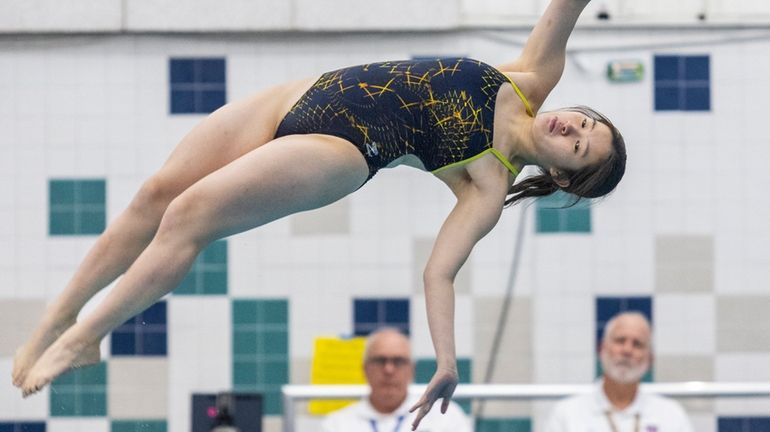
(367, 411)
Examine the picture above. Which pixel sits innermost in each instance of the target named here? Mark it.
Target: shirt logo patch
(371, 149)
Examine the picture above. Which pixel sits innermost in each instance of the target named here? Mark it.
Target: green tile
(273, 312)
(61, 192)
(61, 222)
(244, 373)
(91, 222)
(503, 425)
(244, 312)
(90, 191)
(244, 342)
(273, 342)
(215, 282)
(138, 426)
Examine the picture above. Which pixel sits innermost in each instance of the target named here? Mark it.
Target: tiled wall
(86, 118)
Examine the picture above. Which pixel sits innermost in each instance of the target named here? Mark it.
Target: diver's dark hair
(590, 182)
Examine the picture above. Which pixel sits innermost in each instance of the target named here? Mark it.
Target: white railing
(295, 393)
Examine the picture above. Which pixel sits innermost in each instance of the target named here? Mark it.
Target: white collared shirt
(588, 413)
(359, 416)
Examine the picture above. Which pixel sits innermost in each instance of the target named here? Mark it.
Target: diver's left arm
(544, 53)
(478, 208)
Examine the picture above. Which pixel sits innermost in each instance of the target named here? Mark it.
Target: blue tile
(122, 343)
(212, 70)
(667, 67)
(182, 71)
(697, 99)
(211, 100)
(397, 311)
(667, 98)
(155, 314)
(182, 101)
(697, 68)
(366, 311)
(730, 424)
(22, 427)
(154, 344)
(606, 308)
(759, 424)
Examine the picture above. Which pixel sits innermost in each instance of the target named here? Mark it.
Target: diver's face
(570, 140)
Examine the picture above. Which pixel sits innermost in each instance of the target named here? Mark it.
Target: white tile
(79, 424)
(685, 324)
(740, 367)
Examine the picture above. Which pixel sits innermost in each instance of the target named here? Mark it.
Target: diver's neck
(520, 142)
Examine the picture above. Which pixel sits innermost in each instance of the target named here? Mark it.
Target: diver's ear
(559, 177)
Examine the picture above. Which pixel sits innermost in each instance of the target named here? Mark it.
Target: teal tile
(578, 220)
(62, 403)
(273, 342)
(244, 373)
(138, 426)
(503, 425)
(91, 222)
(215, 283)
(61, 222)
(547, 221)
(66, 379)
(244, 342)
(95, 375)
(61, 192)
(90, 191)
(93, 404)
(244, 312)
(275, 373)
(273, 312)
(425, 368)
(187, 286)
(273, 402)
(216, 253)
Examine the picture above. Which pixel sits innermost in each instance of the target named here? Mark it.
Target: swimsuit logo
(371, 149)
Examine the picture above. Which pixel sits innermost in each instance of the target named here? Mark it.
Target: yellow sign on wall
(336, 361)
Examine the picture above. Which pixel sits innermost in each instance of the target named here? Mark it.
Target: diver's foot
(57, 359)
(26, 356)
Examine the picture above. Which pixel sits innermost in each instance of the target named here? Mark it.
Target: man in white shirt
(389, 370)
(616, 404)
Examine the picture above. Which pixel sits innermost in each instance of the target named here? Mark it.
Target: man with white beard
(616, 404)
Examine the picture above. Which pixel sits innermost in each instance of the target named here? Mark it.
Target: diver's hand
(441, 386)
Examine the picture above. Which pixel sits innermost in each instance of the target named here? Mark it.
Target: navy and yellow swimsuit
(441, 111)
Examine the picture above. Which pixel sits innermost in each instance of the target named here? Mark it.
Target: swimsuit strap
(523, 98)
